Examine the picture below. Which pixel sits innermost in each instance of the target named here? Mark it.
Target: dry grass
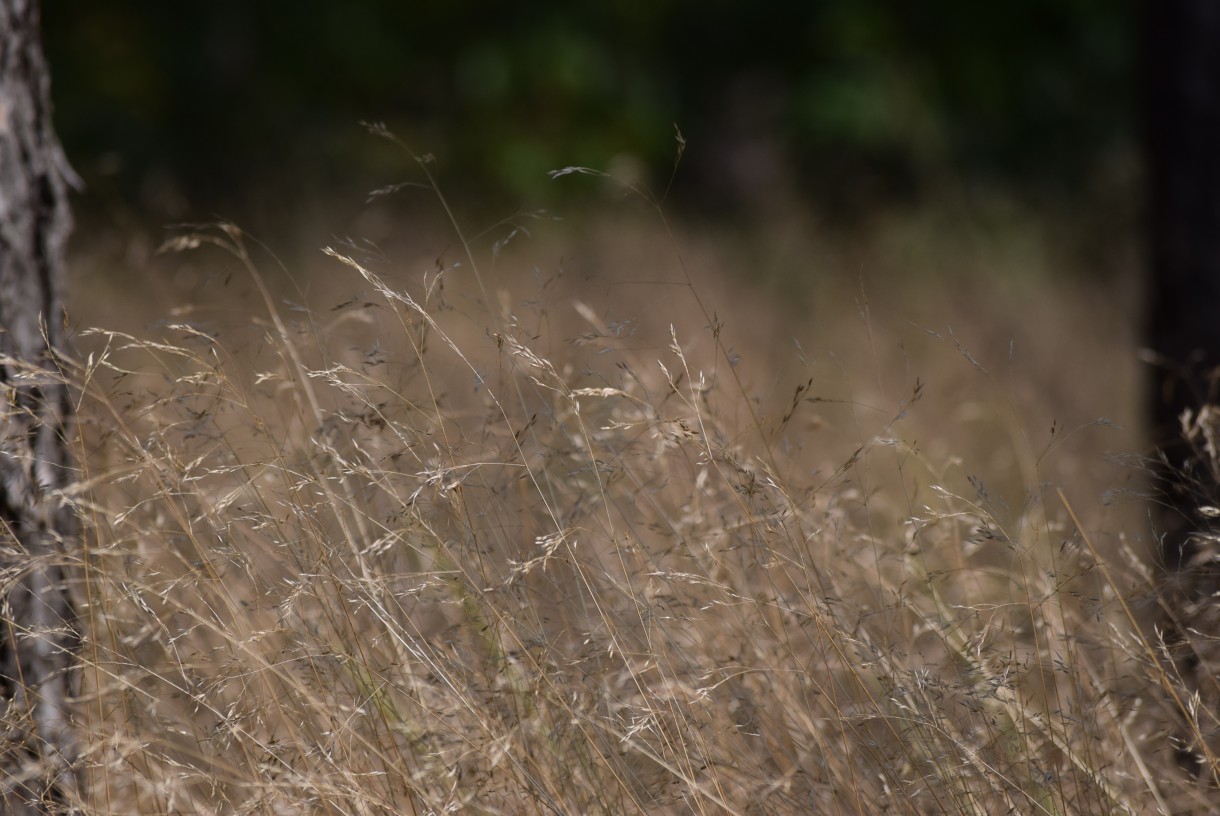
(603, 545)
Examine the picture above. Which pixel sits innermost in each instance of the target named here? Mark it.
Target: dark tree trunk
(37, 636)
(1182, 139)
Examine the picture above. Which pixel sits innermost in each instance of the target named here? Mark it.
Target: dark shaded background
(174, 111)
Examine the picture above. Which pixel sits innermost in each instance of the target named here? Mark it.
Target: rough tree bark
(37, 631)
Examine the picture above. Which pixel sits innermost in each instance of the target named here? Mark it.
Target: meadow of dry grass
(613, 519)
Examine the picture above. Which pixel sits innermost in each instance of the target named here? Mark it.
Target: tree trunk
(37, 622)
(1182, 142)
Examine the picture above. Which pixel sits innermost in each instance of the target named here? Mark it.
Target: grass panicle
(416, 551)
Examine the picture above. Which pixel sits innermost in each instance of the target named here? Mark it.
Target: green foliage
(204, 95)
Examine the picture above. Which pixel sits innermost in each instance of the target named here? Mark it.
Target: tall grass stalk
(396, 558)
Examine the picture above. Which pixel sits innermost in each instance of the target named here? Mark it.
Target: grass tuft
(407, 556)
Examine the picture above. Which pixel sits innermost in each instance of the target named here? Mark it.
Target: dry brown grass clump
(407, 556)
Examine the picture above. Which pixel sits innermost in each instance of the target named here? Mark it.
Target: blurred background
(850, 108)
(873, 194)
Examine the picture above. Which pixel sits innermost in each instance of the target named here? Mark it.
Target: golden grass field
(621, 517)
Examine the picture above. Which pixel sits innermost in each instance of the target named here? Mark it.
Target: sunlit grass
(507, 548)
